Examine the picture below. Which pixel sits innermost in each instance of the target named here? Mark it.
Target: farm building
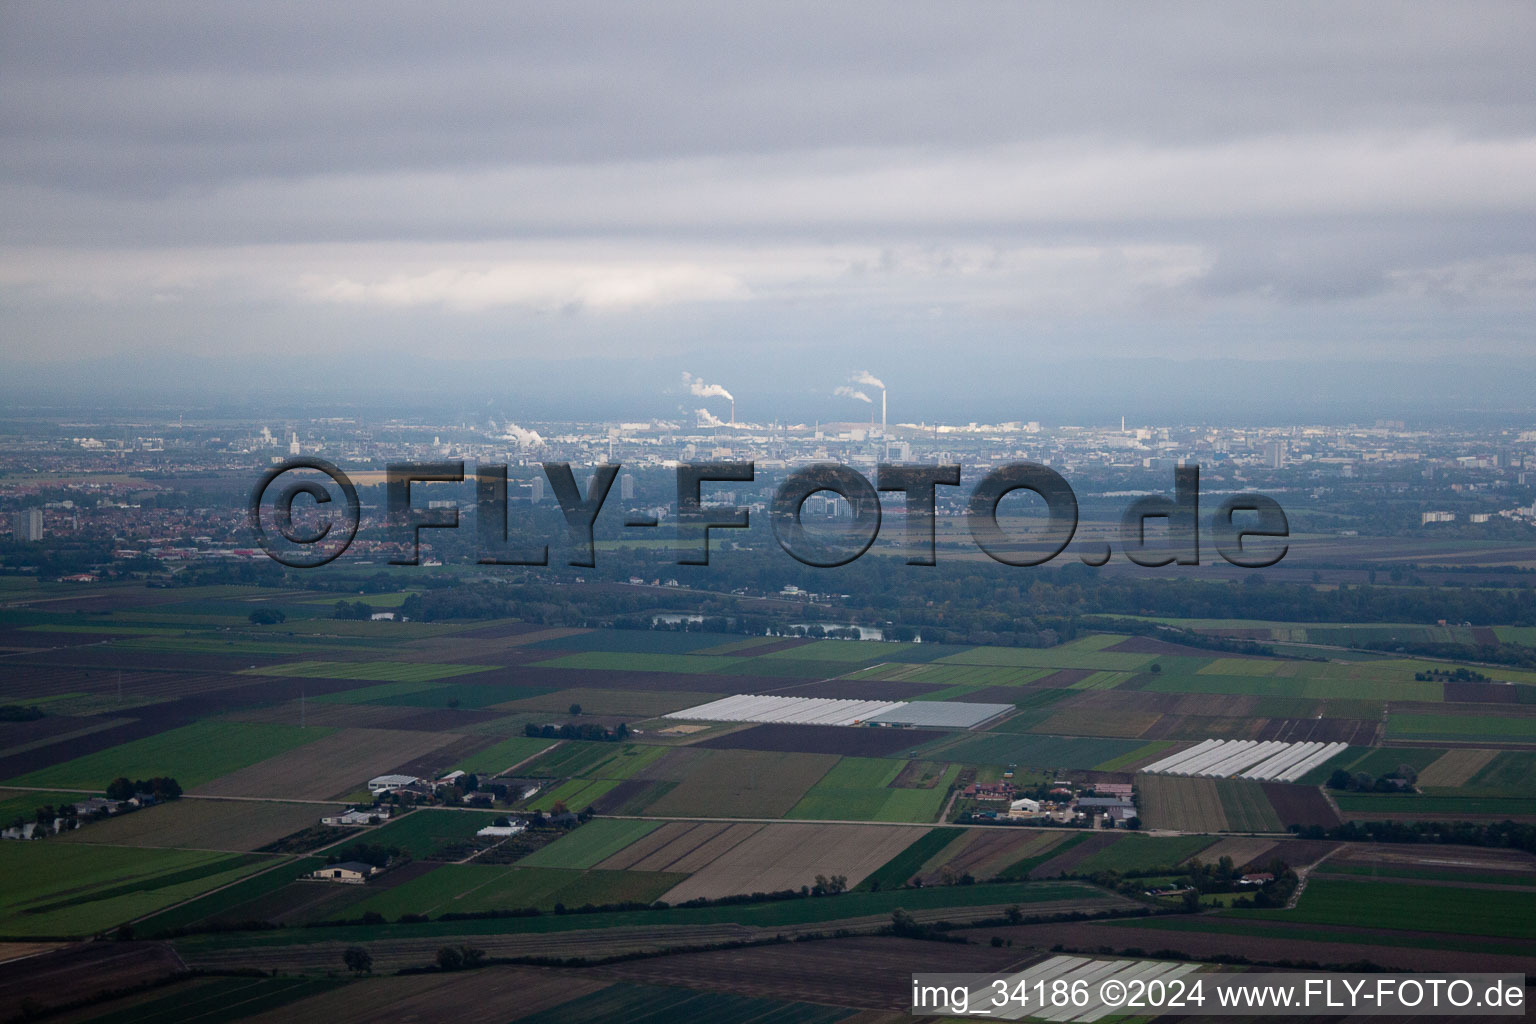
(348, 872)
(987, 791)
(389, 783)
(371, 816)
(501, 831)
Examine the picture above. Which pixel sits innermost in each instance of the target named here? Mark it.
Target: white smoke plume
(868, 379)
(697, 387)
(709, 419)
(524, 438)
(847, 392)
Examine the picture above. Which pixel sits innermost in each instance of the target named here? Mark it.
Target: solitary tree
(358, 960)
(575, 709)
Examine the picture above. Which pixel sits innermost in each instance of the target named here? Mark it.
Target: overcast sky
(955, 196)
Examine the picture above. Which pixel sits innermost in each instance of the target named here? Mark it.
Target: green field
(572, 757)
(1415, 806)
(576, 794)
(765, 915)
(1497, 728)
(1402, 906)
(424, 833)
(192, 755)
(1511, 773)
(583, 847)
(378, 671)
(503, 755)
(857, 789)
(951, 675)
(638, 661)
(742, 784)
(899, 869)
(1142, 853)
(1065, 656)
(472, 888)
(639, 641)
(215, 1000)
(216, 904)
(59, 889)
(1034, 751)
(1145, 751)
(1458, 875)
(1246, 807)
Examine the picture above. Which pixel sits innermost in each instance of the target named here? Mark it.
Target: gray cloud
(654, 177)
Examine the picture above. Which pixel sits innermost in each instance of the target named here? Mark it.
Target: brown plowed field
(1300, 805)
(823, 739)
(1242, 850)
(491, 996)
(1061, 679)
(79, 971)
(1098, 722)
(788, 856)
(822, 972)
(334, 764)
(985, 852)
(1069, 860)
(237, 825)
(1147, 645)
(1360, 732)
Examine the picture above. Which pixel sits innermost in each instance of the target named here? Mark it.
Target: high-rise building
(1274, 454)
(627, 487)
(536, 491)
(28, 525)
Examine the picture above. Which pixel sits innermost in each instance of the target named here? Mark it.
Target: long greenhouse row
(1269, 760)
(751, 707)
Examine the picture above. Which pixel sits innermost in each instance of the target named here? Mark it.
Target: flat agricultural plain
(194, 754)
(333, 764)
(1182, 804)
(788, 856)
(743, 784)
(192, 824)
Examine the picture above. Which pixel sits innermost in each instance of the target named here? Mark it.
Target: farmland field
(77, 889)
(377, 671)
(1031, 750)
(499, 757)
(743, 784)
(334, 764)
(907, 864)
(788, 856)
(472, 888)
(193, 754)
(424, 833)
(592, 842)
(1410, 806)
(989, 853)
(1182, 804)
(1494, 728)
(1407, 907)
(237, 825)
(860, 788)
(1143, 853)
